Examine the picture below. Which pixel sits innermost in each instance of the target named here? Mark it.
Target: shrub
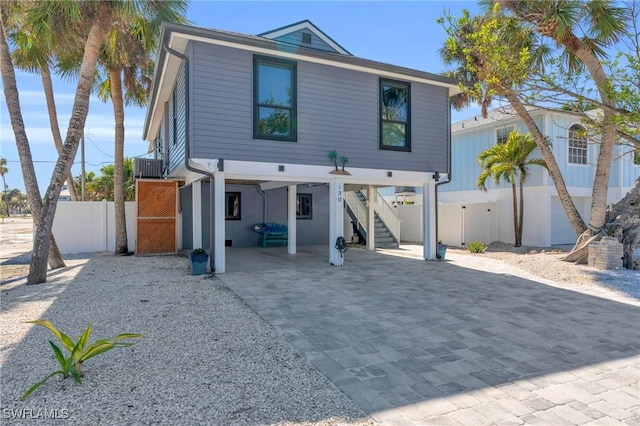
(198, 251)
(79, 352)
(476, 247)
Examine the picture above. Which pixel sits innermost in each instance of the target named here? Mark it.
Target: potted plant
(199, 259)
(441, 250)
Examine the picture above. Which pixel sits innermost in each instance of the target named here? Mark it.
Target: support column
(219, 258)
(429, 220)
(371, 219)
(196, 213)
(291, 218)
(336, 219)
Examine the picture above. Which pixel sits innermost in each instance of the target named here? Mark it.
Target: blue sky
(400, 33)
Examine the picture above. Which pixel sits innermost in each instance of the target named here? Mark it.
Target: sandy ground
(16, 239)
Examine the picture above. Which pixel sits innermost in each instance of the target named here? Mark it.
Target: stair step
(387, 245)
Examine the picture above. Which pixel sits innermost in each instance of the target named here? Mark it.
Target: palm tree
(35, 56)
(601, 24)
(510, 162)
(70, 21)
(50, 253)
(4, 170)
(127, 59)
(494, 56)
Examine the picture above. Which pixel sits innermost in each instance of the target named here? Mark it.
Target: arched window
(577, 145)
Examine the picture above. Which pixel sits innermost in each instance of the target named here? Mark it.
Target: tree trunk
(47, 84)
(552, 165)
(516, 231)
(625, 217)
(41, 240)
(22, 143)
(118, 177)
(521, 212)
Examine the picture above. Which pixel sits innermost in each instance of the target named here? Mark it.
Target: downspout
(437, 175)
(264, 202)
(187, 141)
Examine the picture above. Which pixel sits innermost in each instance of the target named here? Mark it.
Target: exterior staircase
(384, 238)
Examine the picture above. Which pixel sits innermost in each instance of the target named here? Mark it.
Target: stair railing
(386, 213)
(358, 208)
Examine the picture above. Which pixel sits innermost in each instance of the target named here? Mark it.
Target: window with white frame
(502, 134)
(577, 145)
(303, 206)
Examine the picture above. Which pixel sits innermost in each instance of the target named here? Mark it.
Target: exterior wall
(465, 147)
(295, 38)
(575, 175)
(309, 231)
(89, 226)
(337, 109)
(177, 144)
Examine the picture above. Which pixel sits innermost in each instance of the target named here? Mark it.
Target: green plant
(344, 160)
(198, 251)
(333, 156)
(477, 247)
(79, 352)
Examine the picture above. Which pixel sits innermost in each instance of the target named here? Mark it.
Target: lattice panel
(156, 206)
(156, 236)
(156, 199)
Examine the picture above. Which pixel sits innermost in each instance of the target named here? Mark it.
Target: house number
(339, 195)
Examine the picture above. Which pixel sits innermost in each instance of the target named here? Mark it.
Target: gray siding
(177, 143)
(295, 38)
(337, 109)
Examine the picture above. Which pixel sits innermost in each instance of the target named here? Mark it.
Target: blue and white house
(545, 222)
(246, 123)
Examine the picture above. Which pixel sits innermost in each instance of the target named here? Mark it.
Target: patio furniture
(271, 233)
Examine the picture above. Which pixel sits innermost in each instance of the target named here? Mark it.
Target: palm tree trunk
(515, 215)
(118, 177)
(569, 207)
(52, 254)
(47, 84)
(41, 240)
(521, 212)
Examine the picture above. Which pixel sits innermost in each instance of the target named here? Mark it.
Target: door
(156, 215)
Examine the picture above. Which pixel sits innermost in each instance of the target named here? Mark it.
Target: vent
(306, 38)
(147, 168)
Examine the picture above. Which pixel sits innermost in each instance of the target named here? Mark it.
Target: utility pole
(82, 176)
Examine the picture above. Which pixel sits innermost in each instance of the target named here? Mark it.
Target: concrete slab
(417, 341)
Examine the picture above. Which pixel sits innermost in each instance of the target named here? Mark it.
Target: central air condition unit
(147, 168)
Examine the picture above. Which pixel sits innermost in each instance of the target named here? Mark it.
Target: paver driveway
(415, 342)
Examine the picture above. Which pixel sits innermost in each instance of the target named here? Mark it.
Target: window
(232, 206)
(577, 145)
(303, 206)
(274, 96)
(174, 118)
(503, 134)
(395, 114)
(306, 38)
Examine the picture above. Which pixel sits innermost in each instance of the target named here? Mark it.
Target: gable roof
(177, 37)
(308, 26)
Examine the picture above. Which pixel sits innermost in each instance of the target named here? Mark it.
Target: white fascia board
(305, 173)
(169, 71)
(302, 26)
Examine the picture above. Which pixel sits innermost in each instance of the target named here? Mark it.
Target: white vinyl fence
(458, 223)
(89, 226)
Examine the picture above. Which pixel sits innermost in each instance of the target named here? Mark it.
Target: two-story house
(247, 124)
(545, 222)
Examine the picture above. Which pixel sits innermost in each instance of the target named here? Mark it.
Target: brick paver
(416, 342)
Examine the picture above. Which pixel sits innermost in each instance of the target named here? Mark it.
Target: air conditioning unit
(147, 168)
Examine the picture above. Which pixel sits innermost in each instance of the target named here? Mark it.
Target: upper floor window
(577, 145)
(232, 206)
(274, 98)
(502, 134)
(395, 115)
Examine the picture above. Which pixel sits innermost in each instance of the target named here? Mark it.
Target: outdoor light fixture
(389, 174)
(281, 168)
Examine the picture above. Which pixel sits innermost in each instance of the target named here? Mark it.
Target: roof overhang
(177, 37)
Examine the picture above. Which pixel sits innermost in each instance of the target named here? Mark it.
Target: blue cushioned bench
(271, 233)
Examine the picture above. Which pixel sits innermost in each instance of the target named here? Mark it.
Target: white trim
(568, 139)
(336, 219)
(301, 26)
(219, 251)
(371, 221)
(292, 198)
(429, 246)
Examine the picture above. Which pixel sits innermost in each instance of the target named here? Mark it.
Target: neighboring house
(64, 194)
(545, 222)
(258, 117)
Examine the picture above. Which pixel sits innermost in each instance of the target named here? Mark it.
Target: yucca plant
(477, 247)
(79, 351)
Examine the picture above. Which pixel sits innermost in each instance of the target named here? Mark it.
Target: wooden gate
(156, 205)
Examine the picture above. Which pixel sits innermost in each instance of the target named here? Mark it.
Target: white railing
(358, 209)
(387, 214)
